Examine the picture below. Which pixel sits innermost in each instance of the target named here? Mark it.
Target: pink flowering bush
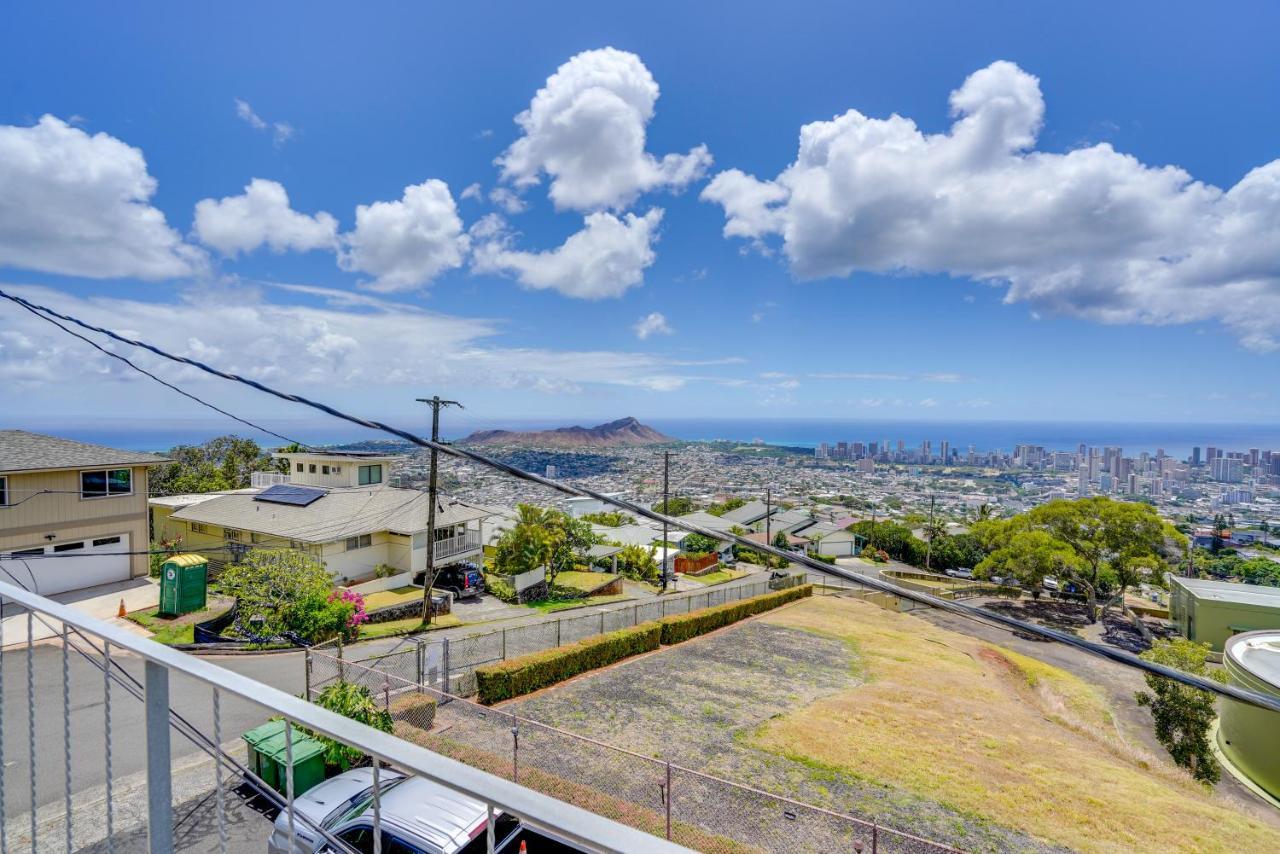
(356, 601)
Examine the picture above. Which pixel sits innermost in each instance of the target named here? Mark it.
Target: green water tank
(1249, 736)
(184, 584)
(268, 757)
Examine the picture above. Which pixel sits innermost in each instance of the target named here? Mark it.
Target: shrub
(831, 559)
(384, 570)
(500, 586)
(319, 617)
(516, 676)
(355, 702)
(415, 710)
(685, 626)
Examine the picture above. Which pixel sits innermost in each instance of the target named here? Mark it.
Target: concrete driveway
(102, 602)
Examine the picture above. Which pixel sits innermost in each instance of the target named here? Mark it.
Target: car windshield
(355, 805)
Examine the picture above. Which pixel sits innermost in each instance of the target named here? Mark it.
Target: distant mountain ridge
(624, 431)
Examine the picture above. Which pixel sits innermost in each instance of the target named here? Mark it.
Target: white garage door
(70, 566)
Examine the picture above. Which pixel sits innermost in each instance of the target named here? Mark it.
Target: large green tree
(1113, 543)
(542, 537)
(1182, 715)
(281, 589)
(220, 464)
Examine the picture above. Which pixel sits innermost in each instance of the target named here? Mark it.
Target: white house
(838, 544)
(335, 506)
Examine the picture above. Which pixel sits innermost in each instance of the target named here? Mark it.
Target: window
(68, 547)
(312, 468)
(28, 552)
(106, 483)
(299, 468)
(4, 491)
(370, 475)
(255, 537)
(198, 528)
(231, 534)
(361, 542)
(359, 837)
(106, 541)
(504, 828)
(337, 469)
(324, 469)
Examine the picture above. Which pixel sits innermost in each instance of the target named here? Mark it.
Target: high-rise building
(1082, 484)
(926, 451)
(1255, 457)
(842, 450)
(946, 451)
(823, 451)
(1195, 456)
(1121, 467)
(1210, 454)
(1226, 470)
(902, 445)
(873, 448)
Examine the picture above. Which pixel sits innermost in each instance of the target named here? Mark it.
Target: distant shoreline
(1176, 439)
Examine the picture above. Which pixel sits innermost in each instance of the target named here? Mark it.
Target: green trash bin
(184, 584)
(268, 757)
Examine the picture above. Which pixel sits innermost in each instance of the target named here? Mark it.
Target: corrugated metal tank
(1250, 736)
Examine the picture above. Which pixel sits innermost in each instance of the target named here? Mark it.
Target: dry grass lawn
(995, 734)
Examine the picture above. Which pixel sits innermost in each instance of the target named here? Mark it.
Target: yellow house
(72, 515)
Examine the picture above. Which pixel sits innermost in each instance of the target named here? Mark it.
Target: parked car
(461, 579)
(960, 572)
(417, 816)
(1050, 583)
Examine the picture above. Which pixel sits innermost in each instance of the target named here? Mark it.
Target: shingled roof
(24, 451)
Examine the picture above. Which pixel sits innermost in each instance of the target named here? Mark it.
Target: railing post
(159, 784)
(445, 656)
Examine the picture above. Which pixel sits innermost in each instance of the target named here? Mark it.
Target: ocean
(1175, 439)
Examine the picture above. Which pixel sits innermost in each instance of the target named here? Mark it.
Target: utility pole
(429, 577)
(928, 552)
(666, 511)
(768, 516)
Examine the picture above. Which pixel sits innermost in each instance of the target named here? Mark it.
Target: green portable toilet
(184, 583)
(268, 757)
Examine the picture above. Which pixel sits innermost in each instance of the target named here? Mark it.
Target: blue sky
(980, 257)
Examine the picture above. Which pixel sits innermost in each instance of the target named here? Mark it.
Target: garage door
(70, 566)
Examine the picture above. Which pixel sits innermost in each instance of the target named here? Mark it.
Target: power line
(147, 373)
(969, 611)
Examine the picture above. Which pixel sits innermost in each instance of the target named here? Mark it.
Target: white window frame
(362, 541)
(106, 473)
(367, 471)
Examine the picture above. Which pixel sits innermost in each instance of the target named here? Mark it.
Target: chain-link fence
(690, 807)
(450, 664)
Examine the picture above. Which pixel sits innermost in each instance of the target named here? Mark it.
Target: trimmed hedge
(685, 626)
(516, 676)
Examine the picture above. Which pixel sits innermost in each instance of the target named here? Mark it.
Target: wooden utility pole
(768, 516)
(666, 511)
(429, 577)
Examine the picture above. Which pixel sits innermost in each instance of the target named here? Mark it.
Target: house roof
(762, 537)
(338, 514)
(752, 511)
(1226, 591)
(638, 535)
(706, 520)
(794, 516)
(23, 451)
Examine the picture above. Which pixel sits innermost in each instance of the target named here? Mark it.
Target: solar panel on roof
(282, 493)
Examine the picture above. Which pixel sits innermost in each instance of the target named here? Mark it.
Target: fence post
(602, 622)
(444, 653)
(504, 644)
(875, 833)
(515, 753)
(421, 656)
(557, 632)
(668, 799)
(306, 681)
(386, 693)
(342, 665)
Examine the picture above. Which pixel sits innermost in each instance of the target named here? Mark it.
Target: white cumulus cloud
(604, 259)
(80, 205)
(261, 216)
(407, 243)
(1092, 232)
(654, 323)
(586, 130)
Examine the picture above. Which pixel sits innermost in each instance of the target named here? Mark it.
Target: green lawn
(411, 625)
(176, 630)
(385, 598)
(548, 606)
(720, 576)
(583, 582)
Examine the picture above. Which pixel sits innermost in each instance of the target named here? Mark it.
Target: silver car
(416, 816)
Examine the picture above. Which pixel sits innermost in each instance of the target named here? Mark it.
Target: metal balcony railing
(232, 699)
(263, 479)
(457, 544)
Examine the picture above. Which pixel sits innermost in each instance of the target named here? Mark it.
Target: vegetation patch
(388, 598)
(516, 676)
(180, 629)
(995, 734)
(583, 583)
(686, 626)
(408, 626)
(719, 576)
